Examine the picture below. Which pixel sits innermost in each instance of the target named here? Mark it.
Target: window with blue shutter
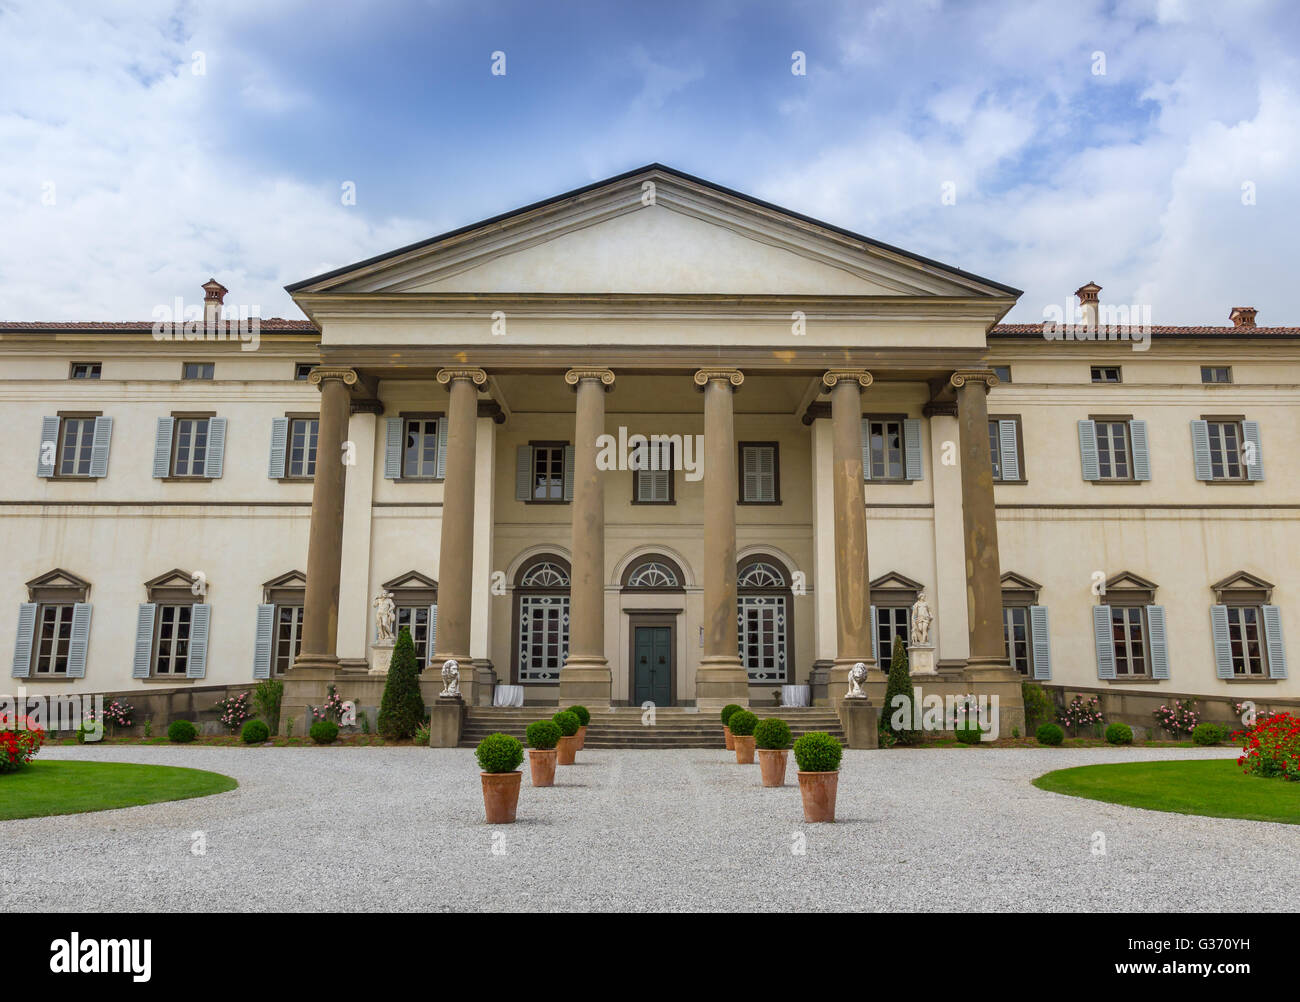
(263, 639)
(48, 447)
(142, 662)
(23, 642)
(79, 643)
(1252, 451)
(875, 640)
(1141, 454)
(915, 469)
(1040, 636)
(394, 433)
(1277, 667)
(442, 448)
(568, 472)
(1007, 455)
(1157, 641)
(524, 473)
(1091, 467)
(216, 448)
(1222, 645)
(433, 631)
(1104, 640)
(1201, 450)
(279, 447)
(198, 659)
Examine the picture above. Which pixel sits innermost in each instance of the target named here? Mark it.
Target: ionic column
(320, 615)
(456, 546)
(979, 520)
(721, 678)
(852, 597)
(585, 677)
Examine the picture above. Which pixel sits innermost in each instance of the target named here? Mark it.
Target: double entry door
(652, 665)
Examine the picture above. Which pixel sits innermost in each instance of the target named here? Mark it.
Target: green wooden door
(653, 657)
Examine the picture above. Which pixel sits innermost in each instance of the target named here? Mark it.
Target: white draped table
(796, 695)
(508, 695)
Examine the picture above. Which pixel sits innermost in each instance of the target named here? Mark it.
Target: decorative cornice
(939, 408)
(962, 376)
(833, 376)
(575, 376)
(322, 373)
(477, 376)
(704, 376)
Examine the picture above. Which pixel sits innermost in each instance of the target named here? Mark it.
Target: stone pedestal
(921, 660)
(381, 656)
(445, 717)
(861, 726)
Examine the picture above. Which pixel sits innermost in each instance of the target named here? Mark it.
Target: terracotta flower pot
(744, 748)
(541, 762)
(501, 796)
(728, 737)
(582, 737)
(567, 749)
(771, 762)
(818, 792)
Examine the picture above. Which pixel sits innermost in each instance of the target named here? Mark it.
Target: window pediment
(1127, 588)
(57, 585)
(176, 585)
(1019, 590)
(894, 589)
(412, 588)
(1242, 588)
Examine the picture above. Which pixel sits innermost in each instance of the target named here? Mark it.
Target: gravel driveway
(340, 829)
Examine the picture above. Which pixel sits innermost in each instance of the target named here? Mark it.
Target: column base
(585, 680)
(719, 681)
(994, 677)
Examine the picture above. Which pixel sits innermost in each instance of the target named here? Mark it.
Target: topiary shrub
(501, 752)
(182, 732)
(817, 751)
(543, 734)
(255, 732)
(567, 722)
(968, 735)
(1050, 734)
(1119, 734)
(1206, 733)
(324, 732)
(772, 733)
(582, 713)
(742, 723)
(1038, 706)
(727, 711)
(899, 716)
(401, 709)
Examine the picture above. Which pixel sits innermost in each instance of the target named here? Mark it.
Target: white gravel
(337, 829)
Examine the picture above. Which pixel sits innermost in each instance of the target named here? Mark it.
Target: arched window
(763, 619)
(541, 619)
(654, 573)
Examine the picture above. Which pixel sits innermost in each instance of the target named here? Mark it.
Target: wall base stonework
(1137, 708)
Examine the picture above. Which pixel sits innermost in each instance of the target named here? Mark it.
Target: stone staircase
(621, 727)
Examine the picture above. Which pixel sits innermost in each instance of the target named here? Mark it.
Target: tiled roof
(1036, 330)
(265, 323)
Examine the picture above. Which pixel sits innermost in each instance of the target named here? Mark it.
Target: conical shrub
(401, 710)
(900, 685)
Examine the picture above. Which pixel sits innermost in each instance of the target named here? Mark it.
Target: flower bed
(1272, 748)
(19, 741)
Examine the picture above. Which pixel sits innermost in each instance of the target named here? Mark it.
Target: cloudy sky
(1149, 145)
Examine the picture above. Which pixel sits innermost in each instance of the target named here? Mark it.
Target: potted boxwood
(772, 739)
(499, 756)
(584, 718)
(742, 724)
(817, 755)
(727, 711)
(543, 736)
(567, 747)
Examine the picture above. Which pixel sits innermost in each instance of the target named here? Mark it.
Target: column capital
(475, 375)
(962, 376)
(833, 376)
(705, 376)
(606, 376)
(322, 373)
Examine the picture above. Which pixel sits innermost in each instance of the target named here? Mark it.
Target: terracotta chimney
(1088, 303)
(214, 294)
(1242, 316)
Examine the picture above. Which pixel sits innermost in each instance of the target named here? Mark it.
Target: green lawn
(1216, 788)
(45, 788)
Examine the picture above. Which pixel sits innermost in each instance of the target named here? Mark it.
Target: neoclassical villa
(653, 440)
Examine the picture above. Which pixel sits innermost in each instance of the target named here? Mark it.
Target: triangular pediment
(1018, 581)
(1128, 580)
(58, 578)
(411, 579)
(175, 578)
(653, 231)
(290, 579)
(1243, 580)
(893, 581)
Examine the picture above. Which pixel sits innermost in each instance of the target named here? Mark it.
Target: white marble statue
(921, 620)
(450, 678)
(857, 676)
(385, 617)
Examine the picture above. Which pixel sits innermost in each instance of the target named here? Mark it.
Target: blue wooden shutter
(524, 473)
(23, 642)
(143, 662)
(568, 473)
(866, 449)
(99, 446)
(1105, 641)
(1158, 641)
(1273, 641)
(162, 448)
(1222, 642)
(442, 448)
(875, 639)
(1040, 642)
(1250, 432)
(1007, 446)
(48, 446)
(394, 432)
(200, 619)
(80, 640)
(1201, 450)
(279, 447)
(215, 460)
(1137, 433)
(433, 632)
(1088, 450)
(263, 640)
(914, 468)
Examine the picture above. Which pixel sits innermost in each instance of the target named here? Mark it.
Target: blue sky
(127, 179)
